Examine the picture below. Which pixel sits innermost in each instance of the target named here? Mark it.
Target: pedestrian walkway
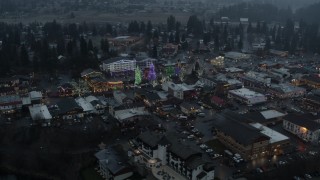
(166, 173)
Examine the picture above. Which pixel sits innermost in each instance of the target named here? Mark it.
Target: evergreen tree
(90, 45)
(137, 77)
(24, 56)
(171, 38)
(177, 37)
(83, 47)
(171, 22)
(155, 52)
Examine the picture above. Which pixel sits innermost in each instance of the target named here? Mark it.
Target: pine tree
(24, 57)
(137, 77)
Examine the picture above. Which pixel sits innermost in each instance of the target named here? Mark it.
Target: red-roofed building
(217, 101)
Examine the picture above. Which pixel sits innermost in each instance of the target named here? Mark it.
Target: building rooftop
(229, 123)
(113, 160)
(67, 104)
(270, 114)
(86, 106)
(128, 113)
(9, 99)
(246, 93)
(304, 120)
(39, 112)
(286, 88)
(273, 135)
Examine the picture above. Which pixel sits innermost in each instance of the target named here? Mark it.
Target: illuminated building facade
(304, 126)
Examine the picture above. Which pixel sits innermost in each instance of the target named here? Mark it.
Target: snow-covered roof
(35, 95)
(128, 113)
(86, 106)
(274, 135)
(246, 93)
(270, 114)
(39, 112)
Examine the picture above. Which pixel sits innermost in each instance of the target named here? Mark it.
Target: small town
(215, 99)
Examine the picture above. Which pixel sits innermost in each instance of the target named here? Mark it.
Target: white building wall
(196, 171)
(210, 175)
(162, 154)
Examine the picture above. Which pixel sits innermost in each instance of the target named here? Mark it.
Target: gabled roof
(67, 104)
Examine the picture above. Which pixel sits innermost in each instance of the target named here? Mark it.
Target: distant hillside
(294, 4)
(269, 12)
(256, 11)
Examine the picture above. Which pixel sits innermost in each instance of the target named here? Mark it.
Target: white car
(209, 150)
(203, 146)
(191, 136)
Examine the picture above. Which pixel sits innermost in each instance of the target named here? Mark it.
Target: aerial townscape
(159, 90)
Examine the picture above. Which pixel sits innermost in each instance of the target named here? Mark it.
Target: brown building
(312, 102)
(241, 138)
(311, 81)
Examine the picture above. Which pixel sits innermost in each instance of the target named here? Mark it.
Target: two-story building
(113, 165)
(157, 149)
(68, 109)
(244, 139)
(304, 126)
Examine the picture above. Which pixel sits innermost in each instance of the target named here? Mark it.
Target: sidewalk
(166, 173)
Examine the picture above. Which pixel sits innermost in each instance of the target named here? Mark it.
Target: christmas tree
(152, 76)
(169, 71)
(137, 76)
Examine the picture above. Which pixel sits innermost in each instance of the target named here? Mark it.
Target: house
(4, 91)
(265, 117)
(312, 101)
(121, 97)
(256, 79)
(99, 106)
(10, 104)
(312, 81)
(113, 164)
(128, 113)
(208, 81)
(189, 108)
(180, 91)
(66, 89)
(33, 97)
(98, 84)
(169, 50)
(9, 82)
(150, 98)
(304, 126)
(244, 21)
(87, 73)
(218, 61)
(120, 65)
(278, 143)
(85, 105)
(69, 109)
(285, 90)
(241, 138)
(145, 62)
(247, 96)
(236, 56)
(157, 149)
(218, 102)
(40, 113)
